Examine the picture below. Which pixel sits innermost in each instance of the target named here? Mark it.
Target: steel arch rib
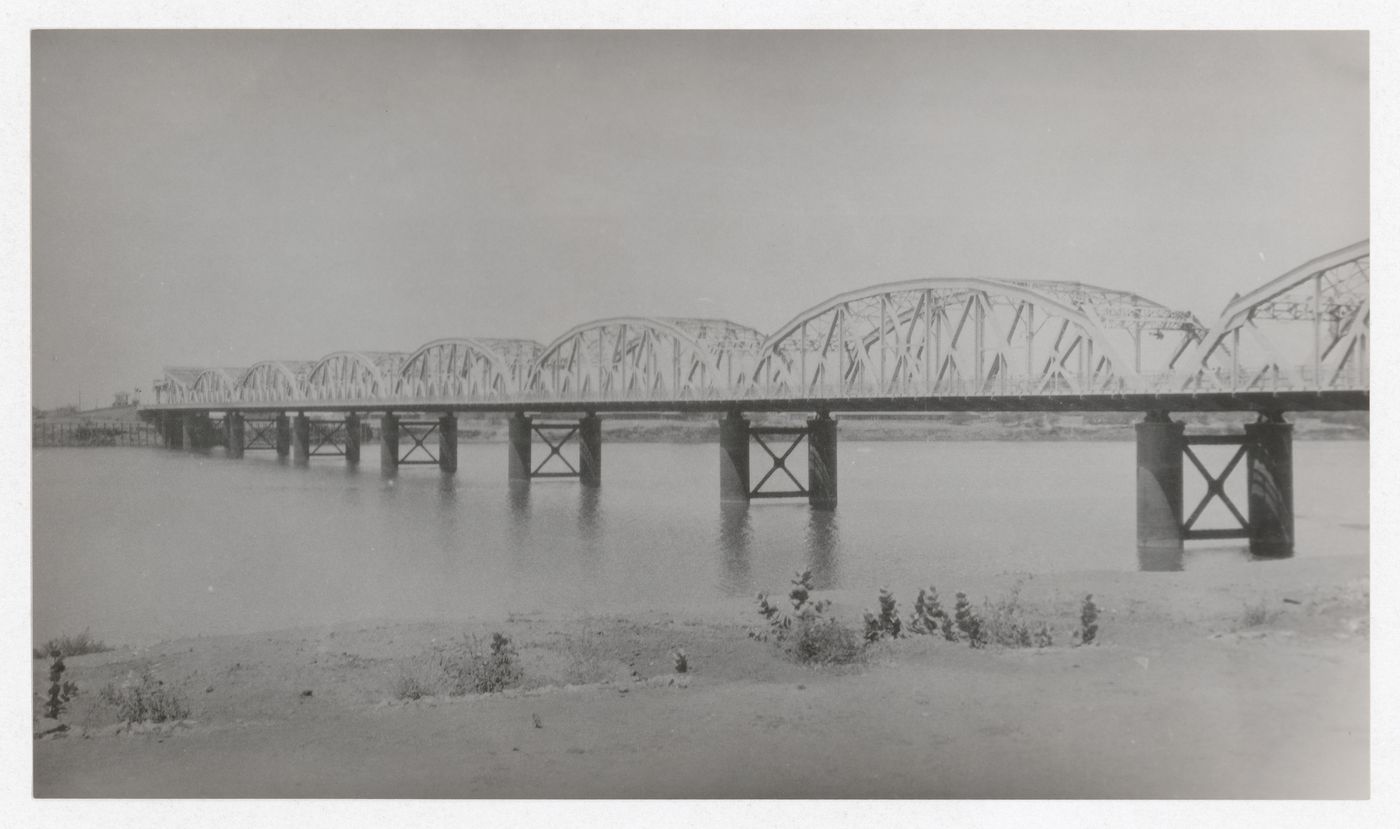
(216, 385)
(1099, 337)
(320, 387)
(507, 372)
(255, 388)
(1237, 311)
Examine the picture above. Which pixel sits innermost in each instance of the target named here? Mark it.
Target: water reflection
(735, 538)
(590, 530)
(1161, 559)
(823, 546)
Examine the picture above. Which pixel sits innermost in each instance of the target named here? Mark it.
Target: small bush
(469, 670)
(1007, 625)
(1257, 615)
(824, 641)
(587, 660)
(887, 623)
(145, 699)
(968, 623)
(681, 664)
(1088, 621)
(929, 617)
(71, 646)
(808, 636)
(61, 691)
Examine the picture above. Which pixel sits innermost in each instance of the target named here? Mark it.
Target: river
(145, 544)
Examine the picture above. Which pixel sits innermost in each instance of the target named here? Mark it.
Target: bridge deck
(1282, 401)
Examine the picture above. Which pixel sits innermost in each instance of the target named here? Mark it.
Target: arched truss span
(175, 384)
(941, 337)
(1308, 329)
(215, 385)
(634, 358)
(274, 381)
(1125, 318)
(466, 368)
(354, 375)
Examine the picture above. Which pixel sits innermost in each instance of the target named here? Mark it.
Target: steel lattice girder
(175, 384)
(1307, 329)
(941, 336)
(638, 357)
(466, 367)
(354, 375)
(216, 385)
(274, 381)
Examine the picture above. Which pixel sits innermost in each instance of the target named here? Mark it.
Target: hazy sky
(217, 198)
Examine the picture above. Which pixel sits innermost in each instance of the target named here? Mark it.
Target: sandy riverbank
(1183, 697)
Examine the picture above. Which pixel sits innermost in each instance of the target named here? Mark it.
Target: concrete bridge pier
(198, 431)
(519, 447)
(821, 461)
(352, 438)
(1270, 464)
(284, 435)
(734, 458)
(389, 442)
(590, 450)
(233, 434)
(447, 443)
(173, 430)
(301, 438)
(1159, 482)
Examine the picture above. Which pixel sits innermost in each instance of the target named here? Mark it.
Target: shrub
(586, 658)
(682, 666)
(1256, 614)
(824, 641)
(928, 613)
(968, 623)
(145, 699)
(1088, 621)
(61, 691)
(71, 646)
(808, 636)
(887, 623)
(469, 670)
(1006, 624)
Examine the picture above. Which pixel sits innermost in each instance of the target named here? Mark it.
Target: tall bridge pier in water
(1297, 343)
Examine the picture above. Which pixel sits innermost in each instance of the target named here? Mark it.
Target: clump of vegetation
(146, 699)
(887, 623)
(587, 660)
(808, 635)
(1257, 614)
(1088, 621)
(968, 623)
(461, 667)
(682, 666)
(1007, 625)
(71, 646)
(61, 691)
(469, 670)
(929, 617)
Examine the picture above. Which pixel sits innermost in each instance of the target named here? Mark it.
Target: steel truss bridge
(1299, 342)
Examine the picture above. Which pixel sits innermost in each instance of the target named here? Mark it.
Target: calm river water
(141, 544)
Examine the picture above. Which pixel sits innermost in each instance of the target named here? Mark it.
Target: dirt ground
(1187, 694)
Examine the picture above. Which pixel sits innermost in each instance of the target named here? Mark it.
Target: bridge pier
(821, 461)
(1159, 482)
(198, 431)
(173, 430)
(590, 450)
(233, 434)
(284, 435)
(352, 438)
(389, 442)
(734, 458)
(447, 443)
(301, 438)
(519, 447)
(1270, 463)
